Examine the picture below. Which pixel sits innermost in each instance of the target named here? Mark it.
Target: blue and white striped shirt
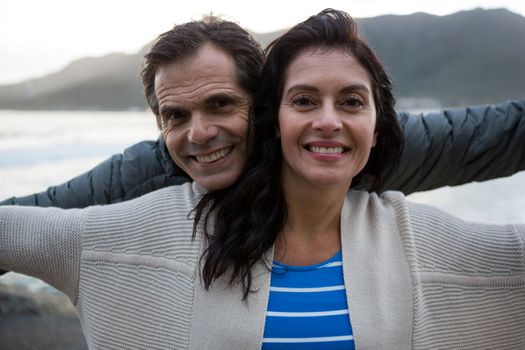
(307, 308)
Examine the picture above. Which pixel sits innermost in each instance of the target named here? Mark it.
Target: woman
(133, 271)
(411, 276)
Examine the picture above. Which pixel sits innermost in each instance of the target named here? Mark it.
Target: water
(60, 145)
(39, 149)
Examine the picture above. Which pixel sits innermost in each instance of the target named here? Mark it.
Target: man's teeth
(212, 157)
(329, 150)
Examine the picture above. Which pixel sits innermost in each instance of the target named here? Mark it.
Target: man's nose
(202, 129)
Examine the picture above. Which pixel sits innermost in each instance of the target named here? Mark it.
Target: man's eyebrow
(169, 110)
(223, 96)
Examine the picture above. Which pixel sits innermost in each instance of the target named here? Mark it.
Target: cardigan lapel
(221, 320)
(376, 273)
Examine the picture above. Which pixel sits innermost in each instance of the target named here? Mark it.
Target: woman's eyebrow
(355, 87)
(346, 89)
(302, 88)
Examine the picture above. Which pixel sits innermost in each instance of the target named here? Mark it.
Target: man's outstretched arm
(458, 146)
(450, 147)
(141, 168)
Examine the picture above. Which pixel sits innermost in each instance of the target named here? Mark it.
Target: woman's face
(327, 119)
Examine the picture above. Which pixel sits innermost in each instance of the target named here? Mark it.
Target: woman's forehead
(327, 66)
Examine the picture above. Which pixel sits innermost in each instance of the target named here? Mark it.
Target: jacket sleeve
(141, 168)
(44, 243)
(458, 146)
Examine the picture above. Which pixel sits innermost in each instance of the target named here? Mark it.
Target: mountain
(468, 57)
(111, 82)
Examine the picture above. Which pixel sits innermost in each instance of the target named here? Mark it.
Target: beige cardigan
(415, 277)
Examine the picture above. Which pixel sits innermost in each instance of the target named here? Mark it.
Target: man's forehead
(209, 70)
(198, 91)
(208, 60)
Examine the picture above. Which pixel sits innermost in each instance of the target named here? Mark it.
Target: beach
(38, 320)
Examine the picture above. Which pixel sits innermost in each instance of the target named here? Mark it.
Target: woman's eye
(302, 101)
(353, 102)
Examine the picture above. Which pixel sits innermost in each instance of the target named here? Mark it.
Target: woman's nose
(327, 121)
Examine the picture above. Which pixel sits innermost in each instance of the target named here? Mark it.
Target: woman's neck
(312, 230)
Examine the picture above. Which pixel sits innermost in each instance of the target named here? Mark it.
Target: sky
(39, 37)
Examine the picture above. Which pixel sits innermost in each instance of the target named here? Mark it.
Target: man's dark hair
(252, 212)
(183, 41)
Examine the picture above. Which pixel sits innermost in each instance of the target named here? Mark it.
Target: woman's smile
(326, 118)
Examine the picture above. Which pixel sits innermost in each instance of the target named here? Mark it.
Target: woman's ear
(374, 141)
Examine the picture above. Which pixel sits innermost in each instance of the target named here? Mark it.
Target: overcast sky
(39, 37)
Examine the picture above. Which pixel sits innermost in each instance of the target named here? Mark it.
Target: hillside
(111, 82)
(468, 57)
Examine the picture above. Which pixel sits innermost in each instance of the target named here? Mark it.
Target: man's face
(204, 114)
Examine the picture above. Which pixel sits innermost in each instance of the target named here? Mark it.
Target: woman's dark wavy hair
(184, 40)
(249, 215)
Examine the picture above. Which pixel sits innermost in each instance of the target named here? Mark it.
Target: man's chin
(217, 182)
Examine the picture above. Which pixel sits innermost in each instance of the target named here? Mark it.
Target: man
(204, 116)
(199, 81)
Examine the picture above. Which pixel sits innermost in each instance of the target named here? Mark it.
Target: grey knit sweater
(415, 277)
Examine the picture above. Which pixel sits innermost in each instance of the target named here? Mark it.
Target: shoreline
(38, 320)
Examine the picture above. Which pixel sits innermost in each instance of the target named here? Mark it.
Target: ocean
(43, 148)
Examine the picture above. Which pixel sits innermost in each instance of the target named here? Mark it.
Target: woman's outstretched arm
(43, 243)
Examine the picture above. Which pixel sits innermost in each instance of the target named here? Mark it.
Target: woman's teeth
(326, 150)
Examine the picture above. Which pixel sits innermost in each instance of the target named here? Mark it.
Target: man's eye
(221, 103)
(174, 116)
